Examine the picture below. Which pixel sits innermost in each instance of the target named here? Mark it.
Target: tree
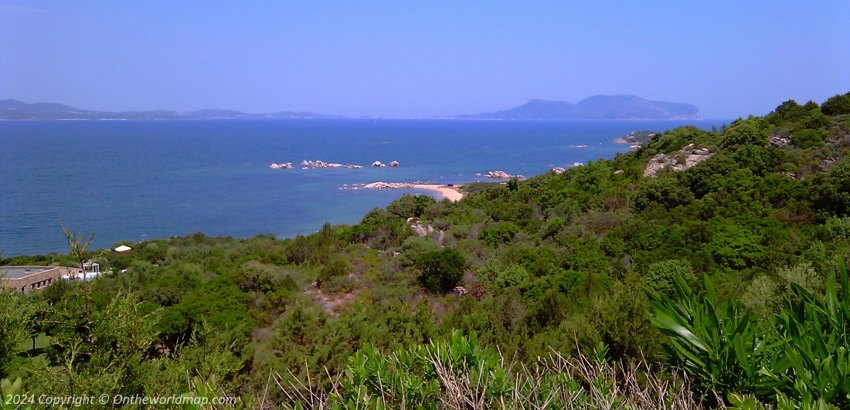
(790, 110)
(666, 191)
(831, 192)
(744, 133)
(837, 105)
(807, 138)
(498, 233)
(78, 247)
(441, 270)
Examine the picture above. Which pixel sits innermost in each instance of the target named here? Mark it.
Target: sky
(420, 58)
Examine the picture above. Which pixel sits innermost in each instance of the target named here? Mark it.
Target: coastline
(452, 193)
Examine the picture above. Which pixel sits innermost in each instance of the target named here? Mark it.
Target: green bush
(659, 275)
(335, 267)
(498, 233)
(441, 271)
(665, 191)
(512, 275)
(837, 105)
(807, 138)
(837, 228)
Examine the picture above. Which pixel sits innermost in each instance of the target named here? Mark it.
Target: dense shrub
(807, 138)
(837, 105)
(335, 267)
(441, 271)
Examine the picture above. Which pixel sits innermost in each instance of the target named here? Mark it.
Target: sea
(142, 180)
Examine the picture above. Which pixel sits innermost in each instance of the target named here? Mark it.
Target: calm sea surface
(148, 179)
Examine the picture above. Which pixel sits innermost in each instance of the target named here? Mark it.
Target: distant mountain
(17, 110)
(600, 107)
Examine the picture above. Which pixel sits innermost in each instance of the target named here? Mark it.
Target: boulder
(674, 161)
(460, 291)
(498, 175)
(779, 141)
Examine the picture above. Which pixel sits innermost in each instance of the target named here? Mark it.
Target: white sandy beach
(449, 192)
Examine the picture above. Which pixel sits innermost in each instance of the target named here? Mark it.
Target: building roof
(17, 272)
(122, 248)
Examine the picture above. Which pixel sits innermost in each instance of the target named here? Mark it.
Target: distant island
(600, 107)
(18, 110)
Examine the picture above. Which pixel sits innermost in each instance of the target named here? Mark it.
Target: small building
(90, 271)
(26, 279)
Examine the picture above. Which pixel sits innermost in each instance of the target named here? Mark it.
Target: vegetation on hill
(719, 285)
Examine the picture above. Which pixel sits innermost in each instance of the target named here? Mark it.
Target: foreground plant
(461, 374)
(797, 359)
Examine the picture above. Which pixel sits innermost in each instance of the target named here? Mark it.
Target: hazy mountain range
(17, 110)
(600, 107)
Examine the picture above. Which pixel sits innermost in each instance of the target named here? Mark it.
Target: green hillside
(706, 262)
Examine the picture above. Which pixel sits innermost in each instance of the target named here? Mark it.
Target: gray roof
(17, 272)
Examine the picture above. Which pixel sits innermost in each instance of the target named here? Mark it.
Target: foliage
(459, 373)
(16, 317)
(807, 138)
(798, 357)
(837, 105)
(719, 345)
(441, 270)
(831, 191)
(498, 233)
(334, 268)
(660, 275)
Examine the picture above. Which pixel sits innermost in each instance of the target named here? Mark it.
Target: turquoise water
(141, 180)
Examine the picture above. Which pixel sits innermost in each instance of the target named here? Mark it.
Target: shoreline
(452, 193)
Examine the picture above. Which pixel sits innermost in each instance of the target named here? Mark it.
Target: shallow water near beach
(137, 180)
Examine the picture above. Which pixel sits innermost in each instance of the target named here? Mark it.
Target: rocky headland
(636, 138)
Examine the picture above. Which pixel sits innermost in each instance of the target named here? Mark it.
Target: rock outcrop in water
(388, 185)
(502, 175)
(306, 164)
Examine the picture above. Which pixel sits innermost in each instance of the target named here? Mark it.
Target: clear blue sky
(420, 58)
